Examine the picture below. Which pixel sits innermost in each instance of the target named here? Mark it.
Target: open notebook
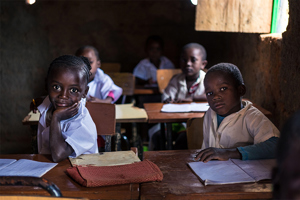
(191, 107)
(233, 171)
(24, 167)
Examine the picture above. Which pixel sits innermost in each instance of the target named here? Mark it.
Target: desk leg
(169, 136)
(118, 137)
(162, 141)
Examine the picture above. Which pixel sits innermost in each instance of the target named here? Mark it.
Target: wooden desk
(68, 186)
(156, 116)
(141, 90)
(125, 113)
(180, 182)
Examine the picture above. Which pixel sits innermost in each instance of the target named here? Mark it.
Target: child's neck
(156, 63)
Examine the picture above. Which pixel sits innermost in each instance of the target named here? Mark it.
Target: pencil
(33, 101)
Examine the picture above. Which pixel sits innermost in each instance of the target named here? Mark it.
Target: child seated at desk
(101, 87)
(286, 179)
(65, 126)
(233, 128)
(188, 86)
(145, 71)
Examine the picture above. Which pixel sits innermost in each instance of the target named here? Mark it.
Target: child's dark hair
(155, 38)
(196, 46)
(230, 69)
(72, 62)
(81, 49)
(290, 133)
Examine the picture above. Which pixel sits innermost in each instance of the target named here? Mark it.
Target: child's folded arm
(170, 91)
(263, 150)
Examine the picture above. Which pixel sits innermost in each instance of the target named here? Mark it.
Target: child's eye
(91, 62)
(56, 87)
(223, 88)
(208, 93)
(74, 90)
(193, 59)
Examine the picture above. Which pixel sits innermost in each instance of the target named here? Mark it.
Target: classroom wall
(32, 36)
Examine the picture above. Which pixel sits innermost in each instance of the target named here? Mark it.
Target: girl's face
(95, 64)
(222, 95)
(191, 62)
(66, 87)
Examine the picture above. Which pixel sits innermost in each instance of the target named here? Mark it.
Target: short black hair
(230, 69)
(81, 49)
(289, 133)
(155, 38)
(196, 46)
(72, 62)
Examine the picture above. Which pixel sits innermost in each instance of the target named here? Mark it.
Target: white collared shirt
(79, 131)
(245, 127)
(146, 70)
(177, 88)
(102, 85)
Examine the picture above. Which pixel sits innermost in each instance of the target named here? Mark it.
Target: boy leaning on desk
(233, 128)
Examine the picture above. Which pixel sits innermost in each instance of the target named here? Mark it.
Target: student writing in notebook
(286, 176)
(65, 126)
(188, 85)
(233, 128)
(145, 71)
(101, 87)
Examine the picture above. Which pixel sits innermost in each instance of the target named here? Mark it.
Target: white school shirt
(245, 127)
(102, 85)
(177, 88)
(79, 131)
(146, 70)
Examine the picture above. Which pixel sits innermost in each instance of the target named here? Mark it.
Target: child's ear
(86, 91)
(204, 63)
(242, 90)
(99, 63)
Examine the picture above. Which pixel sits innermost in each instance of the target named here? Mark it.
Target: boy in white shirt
(233, 128)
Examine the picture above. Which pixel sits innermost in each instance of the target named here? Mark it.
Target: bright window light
(194, 2)
(30, 2)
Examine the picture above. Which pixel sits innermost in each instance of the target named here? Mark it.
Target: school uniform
(103, 86)
(79, 131)
(146, 70)
(246, 127)
(177, 88)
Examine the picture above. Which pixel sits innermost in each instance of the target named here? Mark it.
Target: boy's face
(222, 95)
(154, 51)
(191, 62)
(66, 87)
(95, 64)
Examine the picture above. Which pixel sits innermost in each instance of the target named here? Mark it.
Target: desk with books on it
(180, 182)
(67, 185)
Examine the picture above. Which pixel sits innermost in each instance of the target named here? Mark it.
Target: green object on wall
(276, 4)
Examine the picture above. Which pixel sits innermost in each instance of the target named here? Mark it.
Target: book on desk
(24, 167)
(233, 171)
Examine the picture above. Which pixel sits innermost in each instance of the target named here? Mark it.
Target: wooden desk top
(180, 182)
(68, 186)
(125, 113)
(155, 116)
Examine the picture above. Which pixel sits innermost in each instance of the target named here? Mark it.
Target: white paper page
(34, 116)
(24, 167)
(219, 172)
(257, 169)
(5, 162)
(192, 107)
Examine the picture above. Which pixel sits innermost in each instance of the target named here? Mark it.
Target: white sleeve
(172, 89)
(259, 126)
(109, 85)
(141, 71)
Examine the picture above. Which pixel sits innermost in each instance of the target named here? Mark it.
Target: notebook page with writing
(5, 162)
(219, 172)
(257, 169)
(192, 107)
(24, 167)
